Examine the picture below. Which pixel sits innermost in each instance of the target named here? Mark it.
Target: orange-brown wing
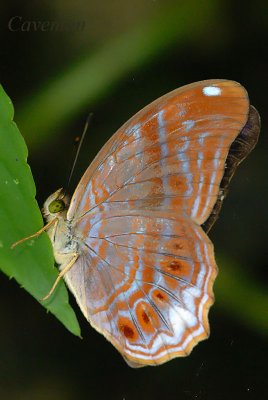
(146, 268)
(170, 156)
(144, 281)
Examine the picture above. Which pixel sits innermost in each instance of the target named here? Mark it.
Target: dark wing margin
(239, 150)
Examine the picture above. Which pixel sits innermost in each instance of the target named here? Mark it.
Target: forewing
(144, 280)
(169, 156)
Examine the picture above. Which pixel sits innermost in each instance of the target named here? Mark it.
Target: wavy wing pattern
(146, 270)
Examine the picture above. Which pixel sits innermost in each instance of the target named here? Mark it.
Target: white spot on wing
(188, 125)
(162, 133)
(200, 160)
(201, 138)
(211, 91)
(133, 130)
(182, 112)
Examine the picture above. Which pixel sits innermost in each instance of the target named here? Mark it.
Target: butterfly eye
(56, 206)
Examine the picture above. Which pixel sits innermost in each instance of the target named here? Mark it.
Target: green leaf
(30, 263)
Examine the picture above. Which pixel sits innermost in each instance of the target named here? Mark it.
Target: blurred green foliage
(82, 84)
(240, 296)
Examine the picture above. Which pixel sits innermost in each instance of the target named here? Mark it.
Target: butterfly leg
(52, 222)
(61, 274)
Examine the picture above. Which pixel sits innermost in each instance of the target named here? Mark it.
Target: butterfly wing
(170, 155)
(146, 268)
(144, 279)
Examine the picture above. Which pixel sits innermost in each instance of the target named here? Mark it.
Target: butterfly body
(143, 267)
(62, 238)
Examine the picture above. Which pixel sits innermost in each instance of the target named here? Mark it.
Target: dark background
(39, 358)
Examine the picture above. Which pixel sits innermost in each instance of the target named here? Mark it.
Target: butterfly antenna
(80, 140)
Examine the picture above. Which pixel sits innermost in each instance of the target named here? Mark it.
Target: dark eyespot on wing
(145, 317)
(127, 331)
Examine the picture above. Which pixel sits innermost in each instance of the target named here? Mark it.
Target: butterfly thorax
(60, 233)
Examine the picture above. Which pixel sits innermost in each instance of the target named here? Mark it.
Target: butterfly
(132, 243)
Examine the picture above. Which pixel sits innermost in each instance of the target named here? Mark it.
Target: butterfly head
(55, 205)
